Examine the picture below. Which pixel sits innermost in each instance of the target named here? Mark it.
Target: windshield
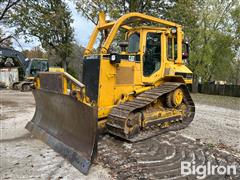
(37, 66)
(133, 43)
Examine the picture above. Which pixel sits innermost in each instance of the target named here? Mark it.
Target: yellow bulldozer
(134, 88)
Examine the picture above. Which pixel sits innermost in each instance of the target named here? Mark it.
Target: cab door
(152, 58)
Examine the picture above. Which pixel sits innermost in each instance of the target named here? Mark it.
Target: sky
(82, 30)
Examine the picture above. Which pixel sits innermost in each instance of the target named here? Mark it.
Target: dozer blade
(66, 125)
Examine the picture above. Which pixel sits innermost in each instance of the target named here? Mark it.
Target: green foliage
(75, 60)
(211, 26)
(6, 8)
(72, 72)
(49, 21)
(220, 67)
(35, 52)
(116, 8)
(5, 41)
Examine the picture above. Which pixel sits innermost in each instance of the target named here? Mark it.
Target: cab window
(175, 48)
(37, 66)
(152, 56)
(170, 48)
(133, 43)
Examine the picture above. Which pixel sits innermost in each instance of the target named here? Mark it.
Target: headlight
(115, 58)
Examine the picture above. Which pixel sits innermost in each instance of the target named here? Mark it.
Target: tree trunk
(64, 64)
(133, 6)
(195, 84)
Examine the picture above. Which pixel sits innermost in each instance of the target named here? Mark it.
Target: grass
(215, 100)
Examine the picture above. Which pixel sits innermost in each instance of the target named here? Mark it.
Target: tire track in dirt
(160, 157)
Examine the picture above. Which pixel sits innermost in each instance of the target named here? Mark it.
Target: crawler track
(160, 157)
(119, 115)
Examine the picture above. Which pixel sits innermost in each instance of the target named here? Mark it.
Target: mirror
(186, 50)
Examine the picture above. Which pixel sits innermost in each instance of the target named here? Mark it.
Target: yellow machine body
(122, 81)
(150, 62)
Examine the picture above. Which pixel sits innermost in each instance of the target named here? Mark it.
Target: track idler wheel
(175, 98)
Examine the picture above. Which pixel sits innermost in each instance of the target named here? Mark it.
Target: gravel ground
(217, 121)
(24, 157)
(216, 125)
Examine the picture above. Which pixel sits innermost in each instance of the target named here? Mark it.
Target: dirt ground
(217, 120)
(24, 157)
(214, 136)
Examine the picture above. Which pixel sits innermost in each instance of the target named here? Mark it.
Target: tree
(211, 26)
(35, 52)
(75, 60)
(116, 8)
(75, 66)
(208, 25)
(5, 41)
(235, 14)
(49, 21)
(6, 7)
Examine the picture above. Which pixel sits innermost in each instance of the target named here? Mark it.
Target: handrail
(71, 78)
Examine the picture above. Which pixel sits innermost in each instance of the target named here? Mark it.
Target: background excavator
(135, 94)
(28, 68)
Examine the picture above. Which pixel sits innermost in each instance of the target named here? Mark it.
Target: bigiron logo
(202, 171)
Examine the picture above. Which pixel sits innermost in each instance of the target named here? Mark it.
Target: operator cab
(37, 65)
(152, 42)
(153, 47)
